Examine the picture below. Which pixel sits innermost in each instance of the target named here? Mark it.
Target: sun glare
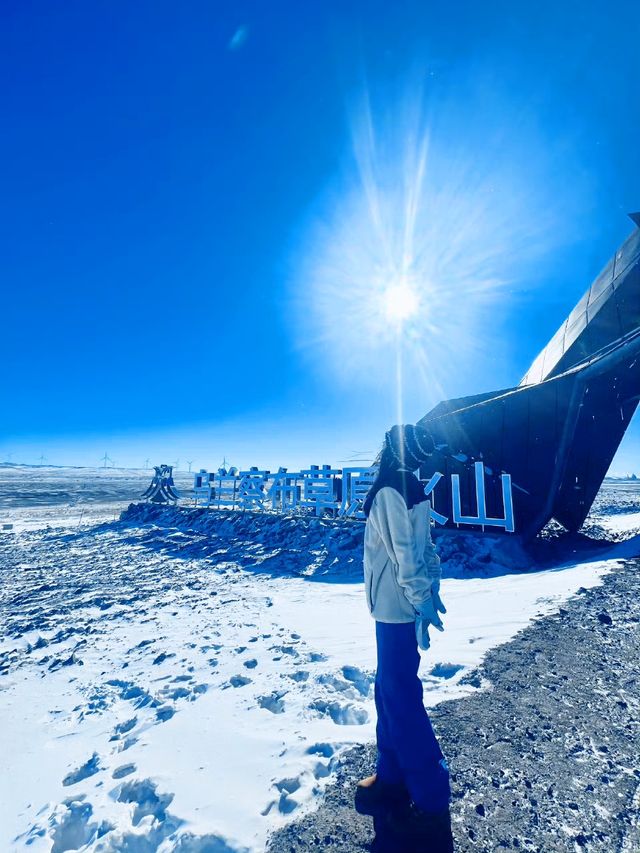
(400, 302)
(404, 272)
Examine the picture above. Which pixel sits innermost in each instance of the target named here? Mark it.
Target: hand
(435, 595)
(422, 633)
(428, 615)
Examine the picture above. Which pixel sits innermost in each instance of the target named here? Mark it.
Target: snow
(33, 496)
(165, 694)
(622, 523)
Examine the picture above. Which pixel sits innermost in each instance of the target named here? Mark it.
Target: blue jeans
(408, 751)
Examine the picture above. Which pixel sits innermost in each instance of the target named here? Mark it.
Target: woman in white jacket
(409, 793)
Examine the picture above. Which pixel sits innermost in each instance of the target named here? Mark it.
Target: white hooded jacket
(400, 560)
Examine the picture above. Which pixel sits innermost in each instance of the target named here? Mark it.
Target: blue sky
(186, 214)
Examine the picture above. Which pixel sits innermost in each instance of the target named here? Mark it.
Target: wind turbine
(42, 459)
(190, 464)
(176, 464)
(146, 464)
(106, 459)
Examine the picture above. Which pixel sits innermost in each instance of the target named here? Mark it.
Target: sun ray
(403, 274)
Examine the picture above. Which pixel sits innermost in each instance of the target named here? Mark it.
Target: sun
(400, 302)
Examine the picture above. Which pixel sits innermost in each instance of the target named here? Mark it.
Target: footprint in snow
(347, 689)
(58, 663)
(163, 657)
(175, 692)
(299, 675)
(123, 770)
(89, 768)
(341, 714)
(128, 743)
(123, 728)
(285, 803)
(144, 794)
(321, 771)
(164, 713)
(141, 645)
(360, 680)
(445, 670)
(131, 691)
(274, 702)
(192, 692)
(288, 786)
(323, 749)
(285, 650)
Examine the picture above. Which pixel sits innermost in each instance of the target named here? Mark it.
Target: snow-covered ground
(164, 688)
(33, 496)
(622, 523)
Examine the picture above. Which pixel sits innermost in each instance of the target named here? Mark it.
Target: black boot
(374, 797)
(417, 831)
(384, 841)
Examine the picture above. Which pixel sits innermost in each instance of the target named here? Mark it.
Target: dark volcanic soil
(546, 755)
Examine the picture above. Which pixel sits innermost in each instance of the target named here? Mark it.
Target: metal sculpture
(162, 489)
(555, 434)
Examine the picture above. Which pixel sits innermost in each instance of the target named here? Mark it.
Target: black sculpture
(546, 445)
(162, 490)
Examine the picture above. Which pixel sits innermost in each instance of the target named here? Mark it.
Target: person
(409, 793)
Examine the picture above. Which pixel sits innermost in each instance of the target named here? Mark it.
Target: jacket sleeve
(431, 557)
(397, 533)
